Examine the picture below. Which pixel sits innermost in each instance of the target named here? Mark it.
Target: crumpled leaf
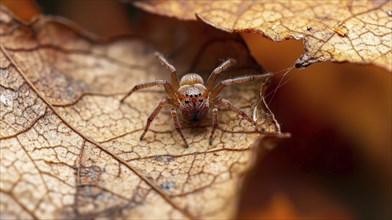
(353, 31)
(69, 149)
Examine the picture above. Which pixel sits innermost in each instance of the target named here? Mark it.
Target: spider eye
(200, 100)
(186, 101)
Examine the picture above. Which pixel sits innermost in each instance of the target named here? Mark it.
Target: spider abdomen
(191, 79)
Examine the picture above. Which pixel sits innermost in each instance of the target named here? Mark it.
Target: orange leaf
(352, 31)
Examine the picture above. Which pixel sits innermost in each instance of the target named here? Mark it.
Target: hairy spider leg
(171, 69)
(162, 103)
(234, 108)
(177, 125)
(168, 88)
(217, 71)
(218, 88)
(214, 124)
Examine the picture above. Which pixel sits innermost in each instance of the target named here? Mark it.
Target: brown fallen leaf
(69, 149)
(353, 31)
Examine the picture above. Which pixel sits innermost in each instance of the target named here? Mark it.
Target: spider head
(194, 103)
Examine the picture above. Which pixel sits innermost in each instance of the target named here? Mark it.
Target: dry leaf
(69, 149)
(353, 31)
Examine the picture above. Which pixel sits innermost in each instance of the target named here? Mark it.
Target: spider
(193, 97)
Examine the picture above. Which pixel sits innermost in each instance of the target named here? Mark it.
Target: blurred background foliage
(338, 163)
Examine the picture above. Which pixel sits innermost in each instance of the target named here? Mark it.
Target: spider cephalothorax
(193, 98)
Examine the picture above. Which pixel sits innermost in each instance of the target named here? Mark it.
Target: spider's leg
(234, 108)
(162, 103)
(218, 70)
(214, 124)
(218, 88)
(177, 125)
(168, 88)
(171, 69)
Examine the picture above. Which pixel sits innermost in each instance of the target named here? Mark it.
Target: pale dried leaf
(353, 31)
(69, 149)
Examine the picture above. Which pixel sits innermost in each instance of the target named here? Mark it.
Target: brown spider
(192, 97)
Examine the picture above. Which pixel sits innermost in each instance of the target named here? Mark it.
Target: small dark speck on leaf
(167, 185)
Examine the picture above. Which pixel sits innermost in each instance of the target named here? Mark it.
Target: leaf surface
(70, 149)
(353, 31)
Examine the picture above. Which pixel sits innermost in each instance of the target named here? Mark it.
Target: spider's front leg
(217, 71)
(214, 124)
(228, 82)
(162, 103)
(171, 69)
(169, 89)
(177, 125)
(234, 108)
